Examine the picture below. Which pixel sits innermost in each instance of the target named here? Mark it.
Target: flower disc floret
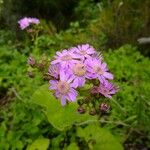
(63, 87)
(79, 70)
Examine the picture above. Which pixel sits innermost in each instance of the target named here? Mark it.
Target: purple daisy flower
(65, 59)
(83, 51)
(25, 22)
(54, 70)
(78, 72)
(97, 69)
(64, 89)
(107, 89)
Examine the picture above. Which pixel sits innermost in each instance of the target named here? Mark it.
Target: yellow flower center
(98, 70)
(79, 70)
(83, 52)
(66, 57)
(104, 91)
(63, 87)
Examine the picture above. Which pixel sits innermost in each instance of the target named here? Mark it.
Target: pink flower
(83, 51)
(65, 59)
(97, 69)
(26, 21)
(107, 89)
(64, 89)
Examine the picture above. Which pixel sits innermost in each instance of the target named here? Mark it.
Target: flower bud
(94, 90)
(41, 65)
(31, 61)
(30, 30)
(104, 107)
(47, 76)
(31, 74)
(81, 110)
(92, 112)
(80, 102)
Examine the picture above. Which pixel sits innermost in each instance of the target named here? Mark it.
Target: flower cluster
(73, 67)
(26, 21)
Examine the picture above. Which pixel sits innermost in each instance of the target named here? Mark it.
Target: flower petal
(108, 75)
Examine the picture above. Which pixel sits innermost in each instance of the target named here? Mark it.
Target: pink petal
(81, 81)
(75, 83)
(108, 75)
(55, 61)
(104, 65)
(62, 75)
(63, 100)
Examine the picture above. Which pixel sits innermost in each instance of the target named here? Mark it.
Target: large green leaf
(59, 116)
(39, 144)
(99, 138)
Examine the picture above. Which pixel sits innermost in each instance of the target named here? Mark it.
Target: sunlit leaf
(39, 144)
(99, 138)
(59, 116)
(72, 146)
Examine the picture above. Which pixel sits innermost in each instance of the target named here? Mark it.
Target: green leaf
(72, 146)
(99, 138)
(39, 144)
(59, 116)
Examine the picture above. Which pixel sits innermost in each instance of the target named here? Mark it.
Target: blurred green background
(114, 27)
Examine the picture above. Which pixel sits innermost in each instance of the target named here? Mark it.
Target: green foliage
(21, 124)
(73, 146)
(131, 104)
(98, 138)
(60, 117)
(40, 144)
(13, 73)
(122, 22)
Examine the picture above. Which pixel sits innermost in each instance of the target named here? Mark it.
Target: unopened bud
(30, 30)
(31, 61)
(47, 76)
(41, 65)
(81, 110)
(87, 100)
(104, 107)
(80, 102)
(94, 90)
(92, 112)
(31, 74)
